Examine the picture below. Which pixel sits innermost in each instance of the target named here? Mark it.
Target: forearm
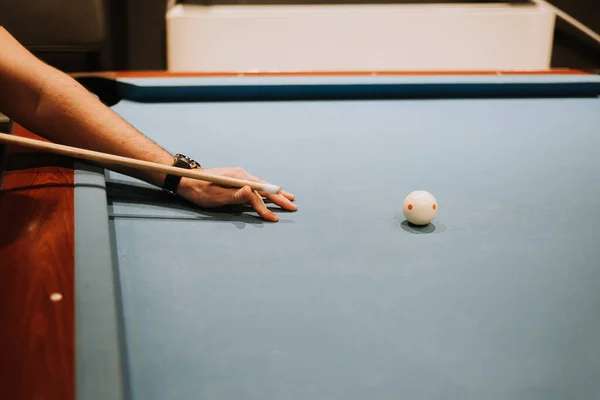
(68, 114)
(55, 106)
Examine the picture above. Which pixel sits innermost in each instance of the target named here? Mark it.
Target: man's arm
(53, 105)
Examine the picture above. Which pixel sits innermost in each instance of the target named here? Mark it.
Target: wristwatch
(172, 181)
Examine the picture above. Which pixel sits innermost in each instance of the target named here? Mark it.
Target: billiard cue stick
(111, 159)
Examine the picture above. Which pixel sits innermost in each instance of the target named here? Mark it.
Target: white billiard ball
(420, 207)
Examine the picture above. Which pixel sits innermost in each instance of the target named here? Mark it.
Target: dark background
(133, 31)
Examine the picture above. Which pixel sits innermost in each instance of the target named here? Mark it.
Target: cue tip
(272, 189)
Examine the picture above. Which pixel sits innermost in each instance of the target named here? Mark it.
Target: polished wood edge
(170, 74)
(37, 288)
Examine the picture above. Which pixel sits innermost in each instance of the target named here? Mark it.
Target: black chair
(71, 35)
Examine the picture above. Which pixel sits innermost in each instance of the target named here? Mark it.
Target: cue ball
(420, 207)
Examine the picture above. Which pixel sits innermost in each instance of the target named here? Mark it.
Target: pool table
(112, 289)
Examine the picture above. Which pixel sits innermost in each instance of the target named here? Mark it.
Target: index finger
(247, 195)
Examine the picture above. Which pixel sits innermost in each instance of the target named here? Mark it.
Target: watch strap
(171, 182)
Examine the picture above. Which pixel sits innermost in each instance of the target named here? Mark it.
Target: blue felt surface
(341, 300)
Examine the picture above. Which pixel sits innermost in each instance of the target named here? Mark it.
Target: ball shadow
(418, 229)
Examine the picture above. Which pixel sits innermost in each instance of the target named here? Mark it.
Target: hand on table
(209, 195)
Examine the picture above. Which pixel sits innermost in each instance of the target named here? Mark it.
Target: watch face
(181, 164)
(182, 161)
